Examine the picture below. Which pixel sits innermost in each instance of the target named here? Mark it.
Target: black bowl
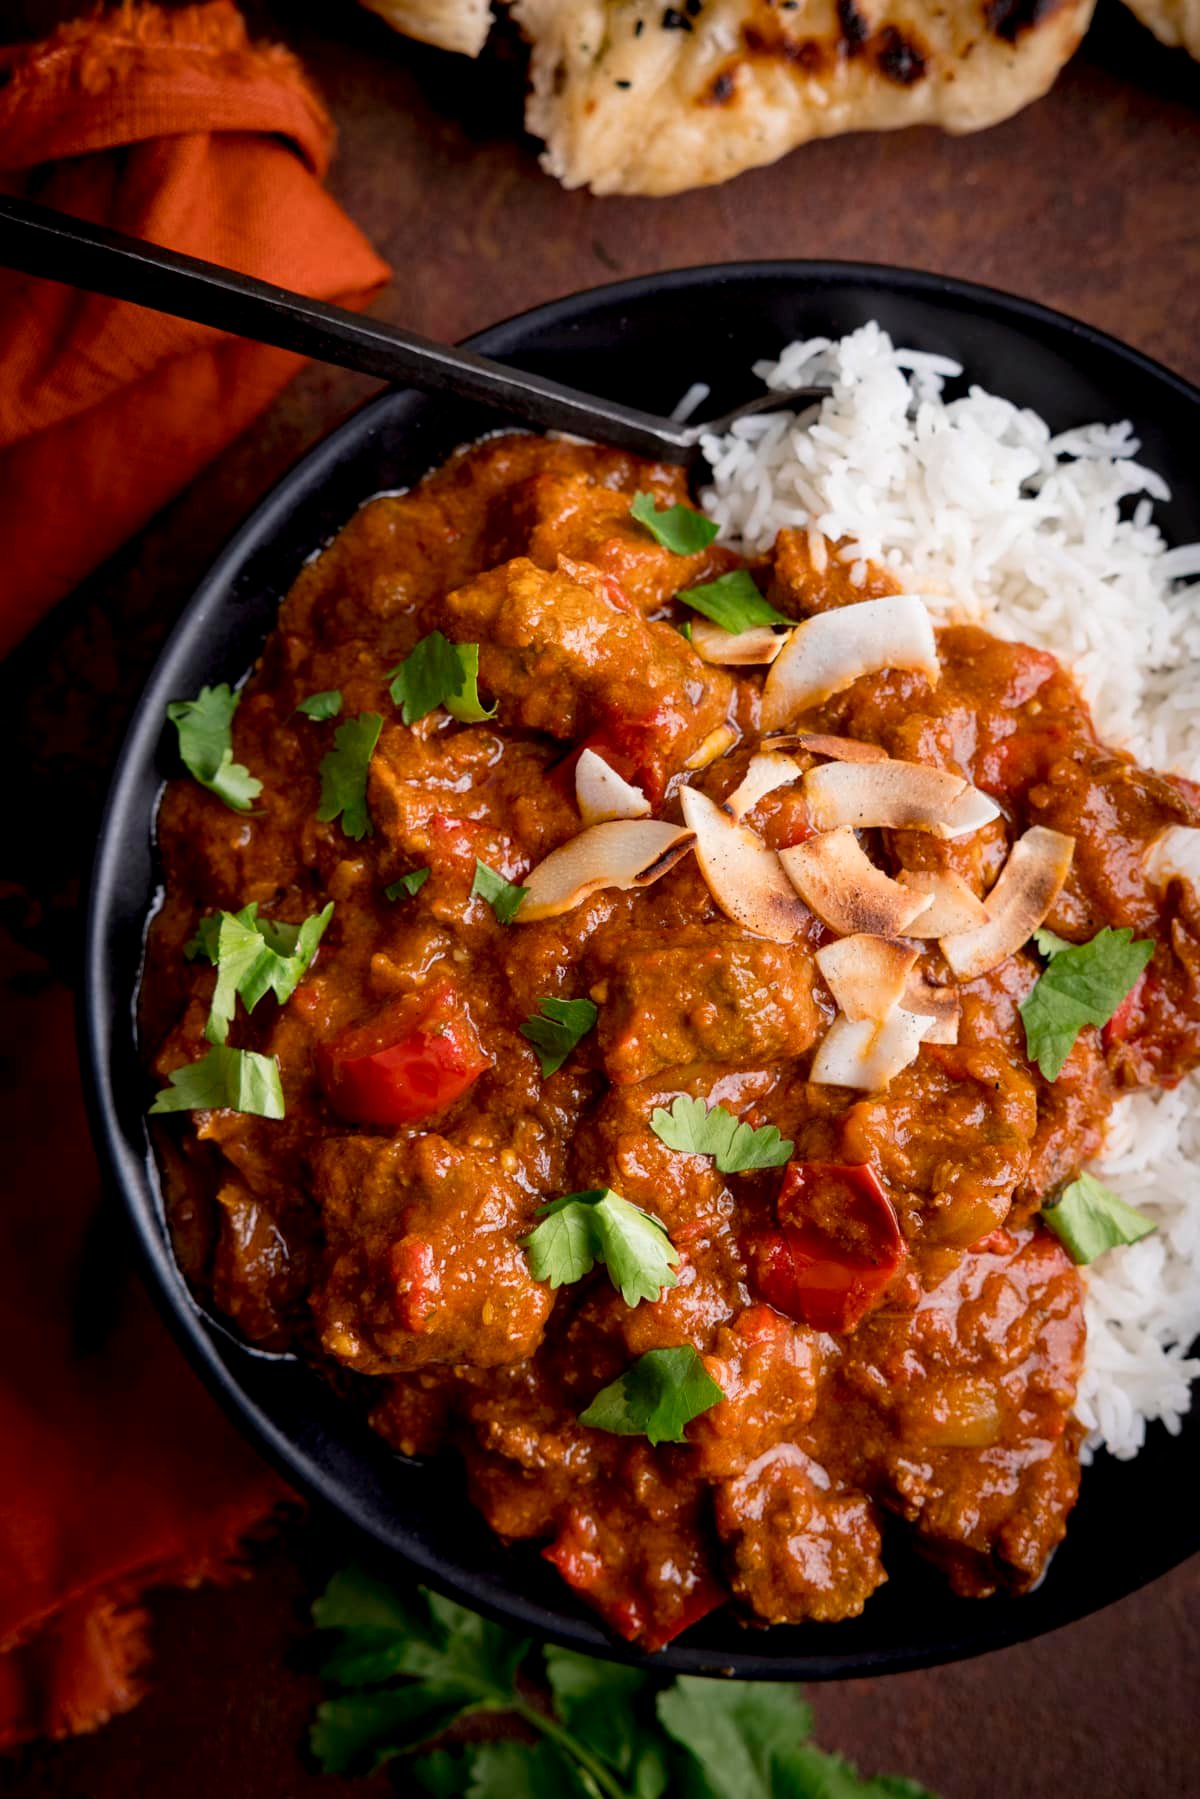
(643, 342)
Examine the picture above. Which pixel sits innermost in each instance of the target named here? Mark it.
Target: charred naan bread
(634, 97)
(451, 24)
(1172, 21)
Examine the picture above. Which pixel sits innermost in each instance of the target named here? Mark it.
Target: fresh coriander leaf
(610, 1709)
(562, 1024)
(807, 1772)
(234, 1078)
(361, 1731)
(1081, 984)
(685, 629)
(436, 673)
(1049, 942)
(599, 1226)
(344, 774)
(408, 884)
(355, 1600)
(677, 528)
(208, 931)
(205, 727)
(253, 958)
(733, 602)
(1089, 1218)
(441, 1774)
(504, 897)
(319, 706)
(694, 1128)
(656, 1397)
(509, 1770)
(733, 1730)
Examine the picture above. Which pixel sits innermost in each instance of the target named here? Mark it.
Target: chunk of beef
(423, 1259)
(767, 1368)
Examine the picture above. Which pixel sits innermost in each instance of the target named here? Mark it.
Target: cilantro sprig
(239, 1079)
(253, 957)
(733, 602)
(1082, 983)
(344, 773)
(700, 1130)
(582, 1229)
(407, 885)
(408, 1666)
(656, 1397)
(436, 673)
(1089, 1218)
(205, 727)
(319, 706)
(562, 1024)
(677, 528)
(504, 897)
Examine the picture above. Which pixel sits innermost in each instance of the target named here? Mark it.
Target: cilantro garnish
(562, 1024)
(237, 1078)
(582, 1229)
(504, 897)
(344, 774)
(319, 706)
(733, 602)
(696, 1129)
(1082, 983)
(408, 1666)
(656, 1397)
(1089, 1218)
(435, 673)
(408, 884)
(205, 727)
(677, 528)
(254, 957)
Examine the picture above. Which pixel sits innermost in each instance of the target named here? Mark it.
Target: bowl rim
(997, 1626)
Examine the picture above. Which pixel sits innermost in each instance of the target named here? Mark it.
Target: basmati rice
(1050, 540)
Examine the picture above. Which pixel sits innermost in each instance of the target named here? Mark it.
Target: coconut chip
(828, 653)
(1028, 885)
(601, 793)
(941, 1005)
(623, 853)
(742, 874)
(839, 882)
(898, 796)
(955, 907)
(866, 974)
(766, 772)
(737, 649)
(867, 1055)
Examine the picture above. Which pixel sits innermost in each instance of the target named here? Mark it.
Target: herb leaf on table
(410, 1666)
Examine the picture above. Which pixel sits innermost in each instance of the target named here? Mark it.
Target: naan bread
(1173, 22)
(634, 97)
(451, 24)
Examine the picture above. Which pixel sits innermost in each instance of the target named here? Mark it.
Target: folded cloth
(172, 126)
(117, 1470)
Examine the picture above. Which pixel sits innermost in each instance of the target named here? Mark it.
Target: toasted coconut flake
(840, 883)
(765, 773)
(941, 1005)
(868, 1055)
(623, 853)
(737, 649)
(956, 907)
(899, 796)
(1028, 886)
(601, 793)
(829, 652)
(742, 874)
(715, 744)
(866, 974)
(836, 749)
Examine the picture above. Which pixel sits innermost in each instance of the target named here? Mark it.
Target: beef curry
(854, 1311)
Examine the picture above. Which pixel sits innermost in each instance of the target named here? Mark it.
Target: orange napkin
(117, 1470)
(171, 126)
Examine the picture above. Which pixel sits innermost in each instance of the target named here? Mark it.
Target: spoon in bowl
(37, 240)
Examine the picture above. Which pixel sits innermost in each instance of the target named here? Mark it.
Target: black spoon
(39, 241)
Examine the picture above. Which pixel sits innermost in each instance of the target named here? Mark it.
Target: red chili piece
(837, 1248)
(407, 1063)
(1129, 1015)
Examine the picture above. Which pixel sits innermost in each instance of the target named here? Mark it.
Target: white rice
(1050, 540)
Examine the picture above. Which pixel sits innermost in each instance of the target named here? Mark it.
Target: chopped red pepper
(579, 1555)
(407, 1063)
(837, 1247)
(1129, 1015)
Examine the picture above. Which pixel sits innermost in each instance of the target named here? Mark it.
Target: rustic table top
(1088, 201)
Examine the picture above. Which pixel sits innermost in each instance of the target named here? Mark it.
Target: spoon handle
(39, 241)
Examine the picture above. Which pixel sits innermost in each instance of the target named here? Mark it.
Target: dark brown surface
(1087, 201)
